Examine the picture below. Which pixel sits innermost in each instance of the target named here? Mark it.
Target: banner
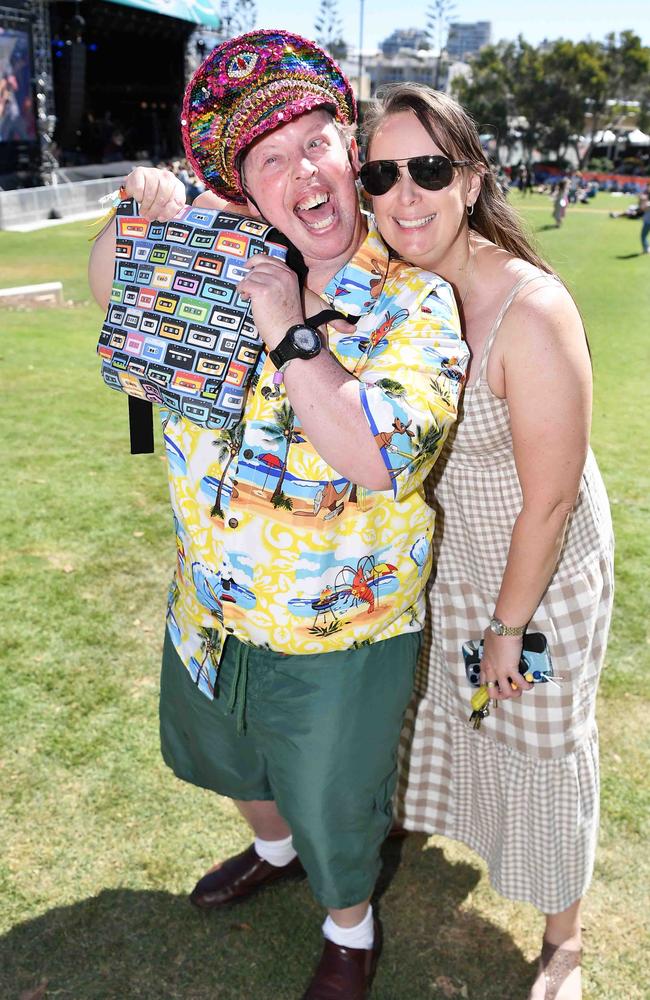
(197, 11)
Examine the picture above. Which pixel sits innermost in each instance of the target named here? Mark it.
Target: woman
(560, 202)
(523, 537)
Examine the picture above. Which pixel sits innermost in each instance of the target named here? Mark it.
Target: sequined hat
(249, 85)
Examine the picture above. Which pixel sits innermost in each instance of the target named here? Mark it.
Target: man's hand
(160, 196)
(273, 290)
(159, 193)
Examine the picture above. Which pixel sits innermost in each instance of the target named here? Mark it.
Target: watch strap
(282, 354)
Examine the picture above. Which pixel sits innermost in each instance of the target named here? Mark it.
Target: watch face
(305, 339)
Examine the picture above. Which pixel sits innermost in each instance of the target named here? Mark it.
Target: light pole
(361, 3)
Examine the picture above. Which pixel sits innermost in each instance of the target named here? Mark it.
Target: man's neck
(321, 272)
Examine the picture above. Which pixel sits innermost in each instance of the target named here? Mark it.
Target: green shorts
(318, 734)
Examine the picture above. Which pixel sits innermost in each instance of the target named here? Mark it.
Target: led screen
(17, 120)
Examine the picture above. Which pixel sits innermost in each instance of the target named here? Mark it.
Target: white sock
(361, 936)
(276, 852)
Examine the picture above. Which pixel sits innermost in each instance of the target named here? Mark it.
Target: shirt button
(233, 522)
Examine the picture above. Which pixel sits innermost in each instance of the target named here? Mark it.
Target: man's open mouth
(315, 210)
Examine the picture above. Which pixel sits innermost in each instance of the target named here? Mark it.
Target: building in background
(405, 38)
(379, 69)
(465, 39)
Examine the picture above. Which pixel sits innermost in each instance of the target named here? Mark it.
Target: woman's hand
(500, 665)
(159, 193)
(273, 290)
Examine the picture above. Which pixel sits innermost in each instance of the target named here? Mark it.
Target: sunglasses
(431, 172)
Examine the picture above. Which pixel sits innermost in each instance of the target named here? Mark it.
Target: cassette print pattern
(176, 332)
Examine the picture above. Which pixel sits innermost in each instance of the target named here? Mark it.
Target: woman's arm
(547, 372)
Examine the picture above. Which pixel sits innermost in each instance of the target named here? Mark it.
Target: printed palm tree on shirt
(227, 445)
(282, 430)
(442, 388)
(425, 448)
(210, 647)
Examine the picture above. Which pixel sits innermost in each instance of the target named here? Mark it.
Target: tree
(548, 92)
(237, 17)
(566, 69)
(329, 29)
(439, 15)
(487, 94)
(626, 69)
(245, 19)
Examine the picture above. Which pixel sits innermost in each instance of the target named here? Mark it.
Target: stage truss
(34, 18)
(45, 117)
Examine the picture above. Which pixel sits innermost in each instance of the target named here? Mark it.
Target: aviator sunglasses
(431, 172)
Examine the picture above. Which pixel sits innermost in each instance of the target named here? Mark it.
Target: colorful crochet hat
(248, 86)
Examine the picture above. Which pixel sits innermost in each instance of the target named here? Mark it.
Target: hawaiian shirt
(276, 547)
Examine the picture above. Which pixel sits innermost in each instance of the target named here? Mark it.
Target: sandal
(557, 964)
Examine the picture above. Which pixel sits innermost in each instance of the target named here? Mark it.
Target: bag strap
(329, 316)
(140, 425)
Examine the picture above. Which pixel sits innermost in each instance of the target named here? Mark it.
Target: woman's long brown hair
(456, 134)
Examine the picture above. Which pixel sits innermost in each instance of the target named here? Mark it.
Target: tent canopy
(196, 11)
(606, 137)
(638, 138)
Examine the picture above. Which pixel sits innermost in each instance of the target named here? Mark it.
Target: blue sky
(545, 19)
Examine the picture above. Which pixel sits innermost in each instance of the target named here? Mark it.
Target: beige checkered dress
(526, 785)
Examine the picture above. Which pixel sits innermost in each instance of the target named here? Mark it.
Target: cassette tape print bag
(176, 332)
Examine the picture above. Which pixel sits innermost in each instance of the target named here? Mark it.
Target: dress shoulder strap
(507, 302)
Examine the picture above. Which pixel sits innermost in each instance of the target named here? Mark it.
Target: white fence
(28, 205)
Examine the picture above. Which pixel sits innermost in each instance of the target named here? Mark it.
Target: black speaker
(71, 94)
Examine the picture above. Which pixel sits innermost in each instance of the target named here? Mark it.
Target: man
(295, 616)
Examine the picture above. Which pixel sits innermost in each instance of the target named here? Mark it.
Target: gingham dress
(523, 791)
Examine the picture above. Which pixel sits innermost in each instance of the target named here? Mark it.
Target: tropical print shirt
(275, 546)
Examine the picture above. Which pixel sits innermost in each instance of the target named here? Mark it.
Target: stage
(91, 84)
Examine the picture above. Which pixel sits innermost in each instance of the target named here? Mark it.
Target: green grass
(101, 844)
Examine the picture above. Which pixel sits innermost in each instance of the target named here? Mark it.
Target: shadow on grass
(125, 944)
(627, 256)
(545, 229)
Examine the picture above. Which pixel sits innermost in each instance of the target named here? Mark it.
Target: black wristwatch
(300, 341)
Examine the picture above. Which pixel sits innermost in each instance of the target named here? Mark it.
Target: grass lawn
(101, 843)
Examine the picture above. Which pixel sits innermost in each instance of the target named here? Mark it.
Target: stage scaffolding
(45, 117)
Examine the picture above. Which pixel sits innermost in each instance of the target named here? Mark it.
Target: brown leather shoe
(238, 877)
(345, 973)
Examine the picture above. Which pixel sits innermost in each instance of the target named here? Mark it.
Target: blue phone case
(535, 664)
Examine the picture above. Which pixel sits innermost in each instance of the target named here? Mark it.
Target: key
(480, 707)
(476, 718)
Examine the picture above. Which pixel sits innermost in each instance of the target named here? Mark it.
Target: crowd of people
(182, 169)
(443, 399)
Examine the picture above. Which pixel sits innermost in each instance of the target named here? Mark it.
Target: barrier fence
(30, 205)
